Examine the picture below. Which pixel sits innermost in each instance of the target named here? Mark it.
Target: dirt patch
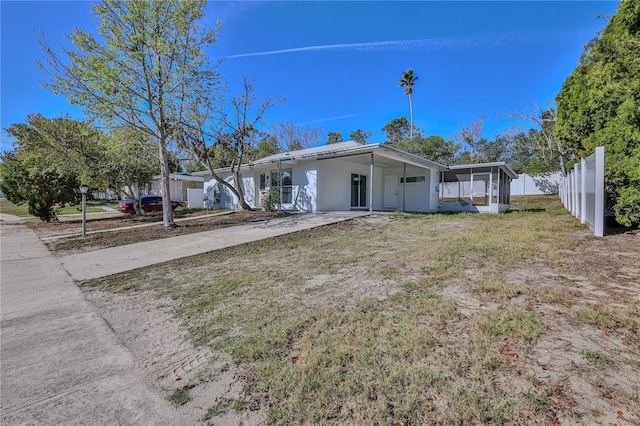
(467, 304)
(162, 351)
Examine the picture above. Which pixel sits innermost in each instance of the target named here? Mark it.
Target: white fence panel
(195, 198)
(582, 191)
(536, 184)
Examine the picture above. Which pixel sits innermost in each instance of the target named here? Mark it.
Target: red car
(149, 203)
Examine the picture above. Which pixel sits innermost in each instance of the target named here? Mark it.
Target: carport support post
(280, 185)
(404, 186)
(371, 186)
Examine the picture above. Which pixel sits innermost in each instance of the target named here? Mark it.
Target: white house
(340, 176)
(179, 185)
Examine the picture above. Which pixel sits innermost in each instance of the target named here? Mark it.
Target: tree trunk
(240, 193)
(410, 118)
(563, 167)
(237, 192)
(167, 212)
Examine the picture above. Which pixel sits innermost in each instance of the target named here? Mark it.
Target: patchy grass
(511, 323)
(598, 357)
(624, 319)
(536, 203)
(22, 210)
(75, 209)
(179, 396)
(413, 319)
(7, 207)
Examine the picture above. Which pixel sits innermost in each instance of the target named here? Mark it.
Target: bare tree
(538, 125)
(233, 129)
(471, 134)
(292, 137)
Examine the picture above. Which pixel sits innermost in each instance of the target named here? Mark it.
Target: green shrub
(269, 200)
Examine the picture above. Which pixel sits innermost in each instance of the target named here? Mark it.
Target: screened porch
(482, 188)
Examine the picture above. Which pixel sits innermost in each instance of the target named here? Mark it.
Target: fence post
(599, 189)
(576, 183)
(583, 191)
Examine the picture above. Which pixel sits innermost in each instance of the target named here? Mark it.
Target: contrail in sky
(425, 43)
(327, 119)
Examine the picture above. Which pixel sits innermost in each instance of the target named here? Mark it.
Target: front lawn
(522, 318)
(7, 207)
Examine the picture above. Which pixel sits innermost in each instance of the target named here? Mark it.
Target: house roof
(504, 166)
(307, 153)
(346, 149)
(182, 176)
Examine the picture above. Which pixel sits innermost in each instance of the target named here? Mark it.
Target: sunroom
(480, 188)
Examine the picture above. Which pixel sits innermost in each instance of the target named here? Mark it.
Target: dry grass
(417, 319)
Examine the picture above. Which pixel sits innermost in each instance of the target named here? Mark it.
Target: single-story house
(179, 185)
(342, 176)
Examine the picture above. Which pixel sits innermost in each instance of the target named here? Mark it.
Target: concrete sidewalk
(61, 363)
(101, 263)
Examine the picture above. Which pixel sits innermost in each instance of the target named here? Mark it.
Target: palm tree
(407, 80)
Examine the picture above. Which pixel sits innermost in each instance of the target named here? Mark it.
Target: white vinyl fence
(195, 198)
(582, 191)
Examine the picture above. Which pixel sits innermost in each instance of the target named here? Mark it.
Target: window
(282, 182)
(414, 179)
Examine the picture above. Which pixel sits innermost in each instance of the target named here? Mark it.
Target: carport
(380, 177)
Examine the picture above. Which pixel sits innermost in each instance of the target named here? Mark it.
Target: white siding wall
(325, 185)
(305, 186)
(334, 184)
(227, 199)
(418, 196)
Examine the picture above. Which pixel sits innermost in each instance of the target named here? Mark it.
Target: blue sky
(337, 63)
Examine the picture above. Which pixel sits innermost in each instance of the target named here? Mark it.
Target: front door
(481, 191)
(391, 192)
(358, 191)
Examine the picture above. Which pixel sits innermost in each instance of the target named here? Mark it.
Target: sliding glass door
(358, 191)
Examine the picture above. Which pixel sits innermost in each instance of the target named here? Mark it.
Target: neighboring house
(345, 176)
(180, 184)
(536, 185)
